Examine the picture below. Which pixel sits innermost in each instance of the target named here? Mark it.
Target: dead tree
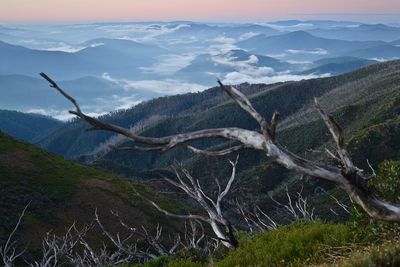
(8, 252)
(215, 217)
(56, 249)
(194, 234)
(129, 245)
(297, 208)
(347, 176)
(301, 208)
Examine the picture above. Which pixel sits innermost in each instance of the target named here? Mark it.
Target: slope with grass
(359, 100)
(299, 244)
(61, 192)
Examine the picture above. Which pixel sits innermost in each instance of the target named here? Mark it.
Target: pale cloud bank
(63, 47)
(238, 78)
(317, 52)
(295, 27)
(141, 32)
(170, 64)
(162, 87)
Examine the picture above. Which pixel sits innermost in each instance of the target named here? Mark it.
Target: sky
(42, 11)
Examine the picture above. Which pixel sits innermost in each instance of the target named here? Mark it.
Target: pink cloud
(80, 10)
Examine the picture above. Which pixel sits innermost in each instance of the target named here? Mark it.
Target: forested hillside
(60, 193)
(345, 95)
(363, 101)
(26, 126)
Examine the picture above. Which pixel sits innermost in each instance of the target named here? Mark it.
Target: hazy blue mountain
(8, 38)
(21, 60)
(380, 52)
(339, 65)
(363, 32)
(135, 61)
(343, 59)
(329, 24)
(25, 126)
(206, 68)
(26, 93)
(118, 57)
(302, 45)
(263, 61)
(203, 69)
(233, 30)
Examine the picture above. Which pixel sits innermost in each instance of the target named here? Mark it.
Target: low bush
(294, 245)
(387, 180)
(385, 255)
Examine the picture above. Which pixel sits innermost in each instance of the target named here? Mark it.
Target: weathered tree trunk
(348, 177)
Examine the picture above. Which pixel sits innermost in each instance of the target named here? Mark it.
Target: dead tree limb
(215, 217)
(55, 249)
(348, 177)
(8, 252)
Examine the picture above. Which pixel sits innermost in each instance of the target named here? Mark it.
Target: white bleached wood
(348, 177)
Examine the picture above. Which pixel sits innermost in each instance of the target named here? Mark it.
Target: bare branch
(274, 123)
(338, 135)
(245, 104)
(215, 153)
(372, 169)
(8, 252)
(348, 177)
(56, 248)
(215, 217)
(67, 96)
(185, 217)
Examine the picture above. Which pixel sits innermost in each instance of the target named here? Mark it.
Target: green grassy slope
(363, 101)
(62, 192)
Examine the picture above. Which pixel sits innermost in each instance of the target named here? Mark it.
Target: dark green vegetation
(358, 242)
(62, 192)
(365, 102)
(26, 126)
(299, 244)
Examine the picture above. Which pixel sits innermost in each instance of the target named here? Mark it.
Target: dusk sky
(14, 11)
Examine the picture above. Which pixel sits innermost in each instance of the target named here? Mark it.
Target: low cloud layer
(315, 52)
(161, 87)
(294, 27)
(170, 64)
(238, 78)
(141, 32)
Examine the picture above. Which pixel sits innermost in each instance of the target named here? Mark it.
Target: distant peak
(300, 33)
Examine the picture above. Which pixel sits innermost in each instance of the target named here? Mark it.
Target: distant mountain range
(208, 108)
(363, 32)
(113, 66)
(338, 65)
(28, 94)
(120, 58)
(301, 45)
